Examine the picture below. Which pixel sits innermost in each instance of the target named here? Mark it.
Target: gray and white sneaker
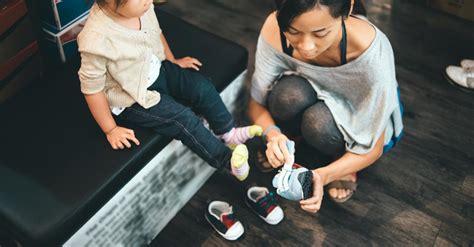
(461, 77)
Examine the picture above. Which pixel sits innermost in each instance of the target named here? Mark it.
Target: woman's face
(313, 32)
(134, 8)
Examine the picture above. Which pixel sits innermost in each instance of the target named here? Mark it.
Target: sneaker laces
(267, 201)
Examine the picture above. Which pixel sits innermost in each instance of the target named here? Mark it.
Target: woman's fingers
(312, 204)
(273, 145)
(284, 149)
(313, 208)
(311, 200)
(272, 159)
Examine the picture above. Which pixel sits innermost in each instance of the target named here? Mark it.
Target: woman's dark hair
(287, 10)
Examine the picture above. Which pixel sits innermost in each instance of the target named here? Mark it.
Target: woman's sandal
(262, 162)
(342, 184)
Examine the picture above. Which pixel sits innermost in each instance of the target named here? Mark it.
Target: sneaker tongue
(261, 196)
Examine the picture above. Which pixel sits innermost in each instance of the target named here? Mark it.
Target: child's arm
(185, 62)
(117, 136)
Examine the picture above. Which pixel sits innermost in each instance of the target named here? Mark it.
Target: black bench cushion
(56, 167)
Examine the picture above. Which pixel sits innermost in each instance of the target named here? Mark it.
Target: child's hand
(119, 136)
(188, 62)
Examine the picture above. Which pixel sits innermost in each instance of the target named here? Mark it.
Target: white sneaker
(459, 76)
(467, 63)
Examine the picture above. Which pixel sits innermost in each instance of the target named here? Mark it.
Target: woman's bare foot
(340, 193)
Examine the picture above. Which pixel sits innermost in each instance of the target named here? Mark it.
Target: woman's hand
(277, 152)
(313, 204)
(119, 138)
(188, 62)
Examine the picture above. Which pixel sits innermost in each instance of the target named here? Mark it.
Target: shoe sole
(457, 85)
(263, 218)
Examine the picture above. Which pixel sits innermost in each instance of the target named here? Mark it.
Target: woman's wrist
(270, 132)
(323, 174)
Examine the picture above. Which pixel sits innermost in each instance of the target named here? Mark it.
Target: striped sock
(239, 162)
(240, 135)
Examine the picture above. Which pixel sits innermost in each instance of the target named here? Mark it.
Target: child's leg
(172, 119)
(195, 90)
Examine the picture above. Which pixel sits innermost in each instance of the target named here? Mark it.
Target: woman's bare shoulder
(361, 36)
(271, 32)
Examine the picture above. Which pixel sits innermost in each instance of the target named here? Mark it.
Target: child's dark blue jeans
(184, 95)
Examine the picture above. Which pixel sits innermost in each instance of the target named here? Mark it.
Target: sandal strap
(342, 184)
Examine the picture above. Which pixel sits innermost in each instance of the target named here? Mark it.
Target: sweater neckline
(114, 25)
(357, 60)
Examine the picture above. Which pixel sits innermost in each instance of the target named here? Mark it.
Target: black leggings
(294, 105)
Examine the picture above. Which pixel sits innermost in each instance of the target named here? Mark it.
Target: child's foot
(240, 135)
(239, 162)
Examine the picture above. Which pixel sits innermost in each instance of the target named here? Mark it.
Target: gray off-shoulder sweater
(362, 95)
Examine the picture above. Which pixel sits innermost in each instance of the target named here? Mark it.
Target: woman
(328, 76)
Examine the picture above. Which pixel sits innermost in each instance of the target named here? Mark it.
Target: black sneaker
(263, 203)
(221, 217)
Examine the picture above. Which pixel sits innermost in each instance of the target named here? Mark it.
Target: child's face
(133, 8)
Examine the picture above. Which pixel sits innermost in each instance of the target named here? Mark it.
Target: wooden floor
(421, 193)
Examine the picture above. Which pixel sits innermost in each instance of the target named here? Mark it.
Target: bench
(62, 184)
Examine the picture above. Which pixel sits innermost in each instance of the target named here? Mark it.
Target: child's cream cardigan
(116, 60)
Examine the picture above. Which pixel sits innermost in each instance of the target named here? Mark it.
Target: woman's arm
(259, 115)
(185, 62)
(347, 164)
(350, 163)
(276, 152)
(117, 136)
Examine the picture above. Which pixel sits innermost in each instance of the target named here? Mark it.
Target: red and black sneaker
(221, 217)
(263, 203)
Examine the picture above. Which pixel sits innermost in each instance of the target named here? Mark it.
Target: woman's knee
(320, 131)
(290, 96)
